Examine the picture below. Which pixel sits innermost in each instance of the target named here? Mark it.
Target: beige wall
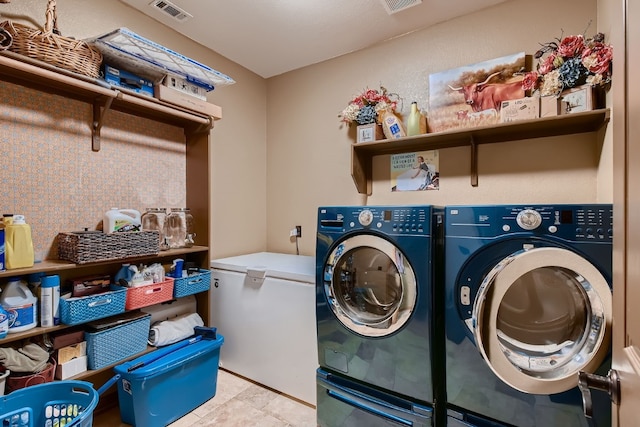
(280, 151)
(239, 171)
(309, 154)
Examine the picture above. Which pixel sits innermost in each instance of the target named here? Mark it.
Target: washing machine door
(540, 316)
(370, 286)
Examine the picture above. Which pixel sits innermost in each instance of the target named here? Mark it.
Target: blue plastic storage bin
(74, 311)
(111, 345)
(169, 383)
(50, 404)
(193, 284)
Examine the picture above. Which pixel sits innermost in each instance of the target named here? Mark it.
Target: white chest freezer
(264, 306)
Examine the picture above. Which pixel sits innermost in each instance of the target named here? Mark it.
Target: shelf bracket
(474, 161)
(98, 118)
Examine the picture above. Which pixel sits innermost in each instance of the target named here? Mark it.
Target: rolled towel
(173, 330)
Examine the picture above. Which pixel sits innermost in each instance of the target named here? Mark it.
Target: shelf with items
(363, 152)
(38, 75)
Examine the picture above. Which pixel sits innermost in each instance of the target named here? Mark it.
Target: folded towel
(173, 330)
(31, 358)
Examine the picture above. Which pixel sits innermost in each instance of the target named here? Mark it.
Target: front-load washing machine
(375, 297)
(527, 307)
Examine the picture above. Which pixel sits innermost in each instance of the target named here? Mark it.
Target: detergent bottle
(21, 304)
(120, 220)
(18, 244)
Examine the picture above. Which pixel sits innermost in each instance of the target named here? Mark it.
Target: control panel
(571, 222)
(392, 220)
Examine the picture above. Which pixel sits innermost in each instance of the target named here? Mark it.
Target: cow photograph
(471, 96)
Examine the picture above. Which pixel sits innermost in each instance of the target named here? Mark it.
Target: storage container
(166, 388)
(82, 247)
(42, 405)
(116, 338)
(154, 293)
(193, 284)
(74, 311)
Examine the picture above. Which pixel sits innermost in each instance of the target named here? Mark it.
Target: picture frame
(472, 95)
(370, 132)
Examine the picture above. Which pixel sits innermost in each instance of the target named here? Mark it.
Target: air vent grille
(393, 6)
(172, 10)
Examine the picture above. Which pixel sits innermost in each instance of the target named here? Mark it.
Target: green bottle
(413, 122)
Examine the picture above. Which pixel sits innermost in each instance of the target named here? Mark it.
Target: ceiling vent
(393, 6)
(171, 9)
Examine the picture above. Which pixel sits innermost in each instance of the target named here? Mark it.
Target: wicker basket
(50, 47)
(82, 248)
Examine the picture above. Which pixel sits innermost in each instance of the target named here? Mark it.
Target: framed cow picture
(472, 95)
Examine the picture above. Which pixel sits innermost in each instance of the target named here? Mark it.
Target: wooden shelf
(363, 152)
(53, 266)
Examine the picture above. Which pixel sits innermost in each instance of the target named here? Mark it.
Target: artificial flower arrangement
(571, 61)
(365, 108)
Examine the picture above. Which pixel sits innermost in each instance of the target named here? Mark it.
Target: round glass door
(542, 315)
(370, 286)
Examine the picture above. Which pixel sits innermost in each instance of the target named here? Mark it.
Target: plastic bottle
(124, 273)
(49, 300)
(120, 220)
(18, 244)
(391, 125)
(21, 304)
(413, 122)
(4, 322)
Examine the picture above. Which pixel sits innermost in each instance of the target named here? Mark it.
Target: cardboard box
(127, 80)
(71, 352)
(519, 109)
(72, 367)
(549, 106)
(173, 96)
(372, 132)
(580, 99)
(178, 83)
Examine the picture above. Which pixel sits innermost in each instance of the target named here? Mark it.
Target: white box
(178, 83)
(519, 109)
(173, 96)
(72, 367)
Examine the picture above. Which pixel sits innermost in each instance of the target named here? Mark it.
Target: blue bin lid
(167, 358)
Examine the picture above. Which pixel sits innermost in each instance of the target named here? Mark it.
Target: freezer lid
(300, 268)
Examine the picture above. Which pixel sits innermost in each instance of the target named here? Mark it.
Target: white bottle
(21, 304)
(121, 220)
(49, 300)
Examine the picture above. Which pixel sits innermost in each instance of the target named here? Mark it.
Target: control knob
(365, 217)
(529, 219)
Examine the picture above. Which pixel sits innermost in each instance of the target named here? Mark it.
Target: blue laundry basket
(69, 403)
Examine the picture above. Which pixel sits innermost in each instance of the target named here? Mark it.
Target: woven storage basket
(49, 46)
(82, 248)
(154, 293)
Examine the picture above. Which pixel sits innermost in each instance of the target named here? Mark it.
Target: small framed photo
(577, 100)
(371, 132)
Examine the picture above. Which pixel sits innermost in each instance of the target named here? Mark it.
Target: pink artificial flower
(597, 58)
(571, 46)
(547, 64)
(530, 81)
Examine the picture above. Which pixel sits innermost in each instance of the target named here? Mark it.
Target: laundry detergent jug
(21, 304)
(119, 220)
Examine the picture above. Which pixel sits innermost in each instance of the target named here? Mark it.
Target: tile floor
(238, 402)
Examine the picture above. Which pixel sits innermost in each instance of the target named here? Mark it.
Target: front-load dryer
(527, 307)
(375, 296)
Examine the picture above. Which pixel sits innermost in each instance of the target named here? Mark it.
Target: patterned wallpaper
(50, 174)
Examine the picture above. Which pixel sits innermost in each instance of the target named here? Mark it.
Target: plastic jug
(21, 304)
(120, 220)
(18, 244)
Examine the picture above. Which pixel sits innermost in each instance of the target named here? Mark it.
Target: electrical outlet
(298, 231)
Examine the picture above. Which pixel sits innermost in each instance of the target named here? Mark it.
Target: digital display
(566, 217)
(386, 215)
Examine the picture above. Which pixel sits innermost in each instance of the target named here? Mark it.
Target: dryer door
(369, 285)
(540, 316)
